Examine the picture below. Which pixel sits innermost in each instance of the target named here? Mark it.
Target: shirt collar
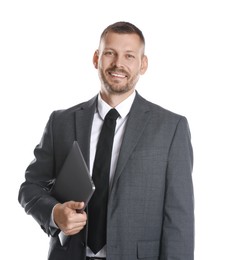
(123, 108)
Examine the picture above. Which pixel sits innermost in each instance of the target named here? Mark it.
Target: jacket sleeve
(34, 193)
(178, 223)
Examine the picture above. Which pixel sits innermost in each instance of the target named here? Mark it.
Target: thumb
(76, 205)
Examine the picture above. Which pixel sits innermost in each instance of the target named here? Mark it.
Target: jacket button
(83, 244)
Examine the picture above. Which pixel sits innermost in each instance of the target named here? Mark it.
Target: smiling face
(120, 61)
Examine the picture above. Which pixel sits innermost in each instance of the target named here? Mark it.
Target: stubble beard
(117, 88)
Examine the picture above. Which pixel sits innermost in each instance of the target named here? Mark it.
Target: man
(150, 211)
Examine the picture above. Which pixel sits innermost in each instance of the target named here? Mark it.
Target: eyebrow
(129, 51)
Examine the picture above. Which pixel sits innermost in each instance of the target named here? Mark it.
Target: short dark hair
(123, 28)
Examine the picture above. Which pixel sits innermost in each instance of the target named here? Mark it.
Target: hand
(69, 217)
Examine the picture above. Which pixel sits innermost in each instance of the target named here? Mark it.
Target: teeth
(118, 75)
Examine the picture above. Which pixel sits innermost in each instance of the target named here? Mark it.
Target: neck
(114, 99)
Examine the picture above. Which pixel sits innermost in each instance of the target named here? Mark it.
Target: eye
(130, 56)
(108, 53)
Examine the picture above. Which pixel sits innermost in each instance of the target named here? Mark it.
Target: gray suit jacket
(151, 207)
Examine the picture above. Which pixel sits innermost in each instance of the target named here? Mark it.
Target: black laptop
(74, 181)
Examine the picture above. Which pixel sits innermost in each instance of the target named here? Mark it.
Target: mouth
(118, 74)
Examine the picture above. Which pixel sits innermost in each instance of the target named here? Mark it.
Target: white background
(46, 50)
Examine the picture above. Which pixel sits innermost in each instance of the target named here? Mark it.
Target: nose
(118, 61)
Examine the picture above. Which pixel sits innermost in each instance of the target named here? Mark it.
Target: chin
(119, 89)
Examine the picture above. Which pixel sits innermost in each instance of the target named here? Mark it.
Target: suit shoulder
(168, 119)
(161, 111)
(164, 111)
(61, 113)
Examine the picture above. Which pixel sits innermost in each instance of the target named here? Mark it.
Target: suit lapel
(138, 119)
(83, 124)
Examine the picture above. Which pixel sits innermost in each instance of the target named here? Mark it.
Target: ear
(144, 65)
(96, 59)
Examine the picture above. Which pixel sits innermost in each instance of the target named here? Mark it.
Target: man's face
(120, 61)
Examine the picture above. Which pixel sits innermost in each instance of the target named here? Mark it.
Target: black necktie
(97, 206)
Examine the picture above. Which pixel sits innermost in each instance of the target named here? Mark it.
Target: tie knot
(112, 114)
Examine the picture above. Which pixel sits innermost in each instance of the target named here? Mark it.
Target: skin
(67, 219)
(120, 61)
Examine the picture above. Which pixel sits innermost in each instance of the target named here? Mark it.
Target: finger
(76, 219)
(75, 205)
(80, 205)
(75, 229)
